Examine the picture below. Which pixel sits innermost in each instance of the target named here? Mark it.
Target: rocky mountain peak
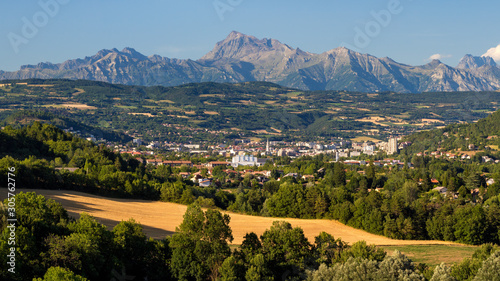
(473, 62)
(44, 65)
(133, 53)
(432, 65)
(104, 52)
(238, 46)
(235, 34)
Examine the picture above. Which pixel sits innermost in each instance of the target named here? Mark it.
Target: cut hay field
(160, 219)
(70, 105)
(365, 139)
(433, 255)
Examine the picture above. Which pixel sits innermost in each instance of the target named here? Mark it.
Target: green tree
(200, 245)
(131, 247)
(410, 192)
(397, 267)
(473, 181)
(258, 270)
(339, 176)
(101, 237)
(289, 201)
(231, 270)
(442, 273)
(490, 270)
(76, 252)
(37, 219)
(328, 249)
(286, 248)
(361, 250)
(58, 273)
(353, 269)
(470, 225)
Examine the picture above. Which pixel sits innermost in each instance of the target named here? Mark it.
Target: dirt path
(160, 218)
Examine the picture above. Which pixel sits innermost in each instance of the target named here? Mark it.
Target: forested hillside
(61, 248)
(395, 201)
(483, 135)
(214, 112)
(388, 200)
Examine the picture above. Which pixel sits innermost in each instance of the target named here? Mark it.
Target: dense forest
(53, 246)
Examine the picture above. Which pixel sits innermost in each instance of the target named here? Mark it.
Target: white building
(153, 144)
(343, 154)
(355, 153)
(247, 160)
(392, 146)
(192, 146)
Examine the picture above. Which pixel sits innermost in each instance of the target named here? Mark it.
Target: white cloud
(438, 57)
(494, 53)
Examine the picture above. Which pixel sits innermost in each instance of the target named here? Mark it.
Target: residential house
(214, 164)
(177, 163)
(441, 189)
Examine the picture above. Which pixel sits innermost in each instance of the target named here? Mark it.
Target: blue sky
(408, 31)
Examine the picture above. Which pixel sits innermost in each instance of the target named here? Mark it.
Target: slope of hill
(160, 219)
(199, 111)
(241, 58)
(63, 120)
(480, 135)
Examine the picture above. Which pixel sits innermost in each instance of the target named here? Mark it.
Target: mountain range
(242, 58)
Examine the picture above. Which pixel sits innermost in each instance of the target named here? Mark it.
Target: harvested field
(374, 119)
(265, 132)
(71, 105)
(160, 218)
(42, 85)
(426, 120)
(166, 101)
(211, 96)
(79, 91)
(364, 139)
(144, 114)
(211, 113)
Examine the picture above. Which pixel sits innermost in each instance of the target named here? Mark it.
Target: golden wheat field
(160, 219)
